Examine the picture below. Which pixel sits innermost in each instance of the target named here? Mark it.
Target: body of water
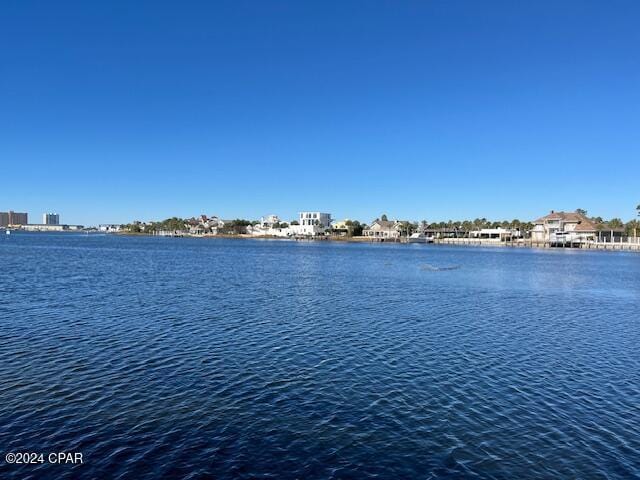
(208, 358)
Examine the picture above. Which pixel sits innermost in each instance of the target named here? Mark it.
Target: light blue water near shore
(192, 358)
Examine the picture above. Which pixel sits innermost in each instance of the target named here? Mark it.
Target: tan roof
(384, 224)
(584, 224)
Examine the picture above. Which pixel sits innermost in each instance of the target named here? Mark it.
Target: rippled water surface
(195, 358)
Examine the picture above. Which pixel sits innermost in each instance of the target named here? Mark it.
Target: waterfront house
(195, 227)
(109, 227)
(500, 234)
(445, 232)
(212, 224)
(204, 225)
(311, 224)
(269, 221)
(564, 227)
(383, 230)
(341, 228)
(270, 225)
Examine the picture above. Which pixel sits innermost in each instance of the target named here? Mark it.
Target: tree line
(355, 227)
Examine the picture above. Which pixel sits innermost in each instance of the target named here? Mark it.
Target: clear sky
(114, 111)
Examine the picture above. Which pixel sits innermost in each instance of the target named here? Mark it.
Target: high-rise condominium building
(13, 218)
(51, 219)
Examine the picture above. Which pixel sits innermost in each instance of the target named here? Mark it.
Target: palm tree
(616, 223)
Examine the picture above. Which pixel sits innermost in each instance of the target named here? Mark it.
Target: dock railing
(627, 243)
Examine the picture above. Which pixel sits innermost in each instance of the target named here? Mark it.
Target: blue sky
(437, 110)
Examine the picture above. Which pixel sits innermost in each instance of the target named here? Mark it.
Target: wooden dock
(629, 244)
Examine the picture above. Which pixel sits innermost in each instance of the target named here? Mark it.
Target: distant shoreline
(244, 236)
(457, 242)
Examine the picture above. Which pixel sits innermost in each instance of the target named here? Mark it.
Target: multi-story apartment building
(13, 218)
(50, 219)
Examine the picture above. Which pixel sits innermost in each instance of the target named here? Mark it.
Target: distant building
(561, 227)
(109, 227)
(13, 218)
(502, 234)
(40, 227)
(341, 227)
(205, 225)
(446, 232)
(269, 221)
(212, 224)
(312, 223)
(269, 226)
(50, 219)
(383, 230)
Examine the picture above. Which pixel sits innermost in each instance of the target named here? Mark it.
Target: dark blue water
(194, 358)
